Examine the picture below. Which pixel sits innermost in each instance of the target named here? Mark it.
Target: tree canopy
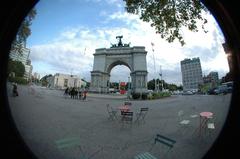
(17, 67)
(169, 16)
(170, 87)
(24, 32)
(44, 80)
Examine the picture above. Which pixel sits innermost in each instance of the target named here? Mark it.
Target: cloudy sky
(65, 34)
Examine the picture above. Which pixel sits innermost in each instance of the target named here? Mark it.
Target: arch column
(99, 82)
(139, 81)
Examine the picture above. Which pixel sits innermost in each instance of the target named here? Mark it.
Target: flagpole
(161, 77)
(154, 66)
(84, 51)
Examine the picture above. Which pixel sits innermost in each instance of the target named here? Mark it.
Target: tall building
(24, 58)
(191, 74)
(212, 79)
(28, 70)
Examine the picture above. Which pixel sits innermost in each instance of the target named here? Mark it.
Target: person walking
(84, 94)
(66, 92)
(15, 91)
(80, 94)
(72, 92)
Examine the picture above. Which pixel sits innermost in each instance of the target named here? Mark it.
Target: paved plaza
(47, 121)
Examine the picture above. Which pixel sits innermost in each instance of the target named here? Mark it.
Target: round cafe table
(204, 118)
(124, 108)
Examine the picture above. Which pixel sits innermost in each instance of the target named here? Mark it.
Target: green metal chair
(169, 143)
(128, 103)
(126, 118)
(75, 142)
(72, 142)
(145, 155)
(140, 116)
(111, 112)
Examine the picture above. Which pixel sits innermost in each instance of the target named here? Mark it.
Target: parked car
(229, 89)
(177, 92)
(222, 89)
(211, 91)
(187, 93)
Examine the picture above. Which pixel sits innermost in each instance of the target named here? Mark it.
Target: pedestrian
(72, 92)
(80, 94)
(84, 94)
(66, 92)
(15, 91)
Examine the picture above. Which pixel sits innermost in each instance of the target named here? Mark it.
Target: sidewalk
(107, 96)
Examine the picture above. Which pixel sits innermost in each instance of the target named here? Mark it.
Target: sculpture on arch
(120, 44)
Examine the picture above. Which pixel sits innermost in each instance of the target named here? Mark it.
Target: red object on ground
(124, 108)
(122, 88)
(122, 91)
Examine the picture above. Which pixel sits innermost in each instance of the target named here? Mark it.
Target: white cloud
(66, 52)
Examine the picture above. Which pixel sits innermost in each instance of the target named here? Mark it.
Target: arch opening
(117, 63)
(120, 80)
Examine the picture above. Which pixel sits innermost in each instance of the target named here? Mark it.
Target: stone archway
(107, 58)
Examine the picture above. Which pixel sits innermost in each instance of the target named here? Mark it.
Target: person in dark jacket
(15, 91)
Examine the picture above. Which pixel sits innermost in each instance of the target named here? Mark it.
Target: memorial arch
(119, 54)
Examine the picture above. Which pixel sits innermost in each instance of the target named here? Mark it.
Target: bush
(160, 95)
(151, 96)
(135, 95)
(18, 80)
(144, 96)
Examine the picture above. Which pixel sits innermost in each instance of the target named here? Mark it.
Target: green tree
(180, 88)
(171, 87)
(151, 84)
(44, 80)
(88, 85)
(114, 85)
(169, 16)
(23, 33)
(17, 67)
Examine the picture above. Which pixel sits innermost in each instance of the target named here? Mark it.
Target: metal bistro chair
(112, 113)
(140, 117)
(183, 122)
(127, 118)
(128, 103)
(169, 143)
(145, 155)
(72, 142)
(211, 126)
(158, 139)
(75, 142)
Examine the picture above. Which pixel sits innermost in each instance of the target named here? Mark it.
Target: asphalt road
(55, 127)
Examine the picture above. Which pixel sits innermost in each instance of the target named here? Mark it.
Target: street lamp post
(98, 86)
(161, 77)
(128, 88)
(119, 86)
(154, 67)
(140, 81)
